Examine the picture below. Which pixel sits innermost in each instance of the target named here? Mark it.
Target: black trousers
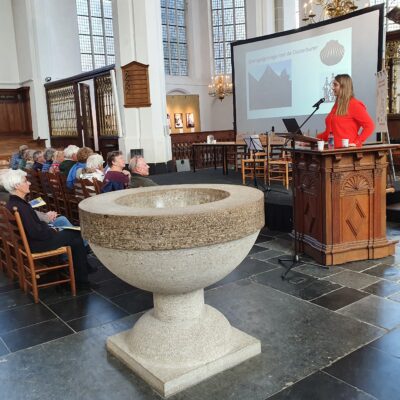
(67, 238)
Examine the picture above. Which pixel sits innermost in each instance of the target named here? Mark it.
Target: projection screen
(284, 74)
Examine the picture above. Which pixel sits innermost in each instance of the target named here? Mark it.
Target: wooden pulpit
(340, 203)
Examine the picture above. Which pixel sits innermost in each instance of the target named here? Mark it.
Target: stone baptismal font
(174, 241)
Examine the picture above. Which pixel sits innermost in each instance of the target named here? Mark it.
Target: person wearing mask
(58, 158)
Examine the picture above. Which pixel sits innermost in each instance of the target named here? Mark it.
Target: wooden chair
(257, 163)
(33, 267)
(8, 247)
(97, 185)
(89, 188)
(72, 200)
(56, 187)
(47, 190)
(279, 164)
(36, 189)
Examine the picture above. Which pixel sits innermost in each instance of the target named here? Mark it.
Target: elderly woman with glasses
(41, 237)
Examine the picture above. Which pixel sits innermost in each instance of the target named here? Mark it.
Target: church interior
(178, 220)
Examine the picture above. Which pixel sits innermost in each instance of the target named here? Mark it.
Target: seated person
(94, 168)
(50, 217)
(28, 160)
(76, 170)
(58, 158)
(69, 159)
(139, 173)
(116, 177)
(40, 236)
(48, 158)
(16, 158)
(38, 160)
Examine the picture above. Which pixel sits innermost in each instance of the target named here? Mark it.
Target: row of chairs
(272, 165)
(58, 197)
(33, 271)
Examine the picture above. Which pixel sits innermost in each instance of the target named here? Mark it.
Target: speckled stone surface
(171, 217)
(174, 241)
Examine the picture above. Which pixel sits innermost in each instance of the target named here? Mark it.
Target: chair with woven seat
(279, 164)
(33, 267)
(256, 164)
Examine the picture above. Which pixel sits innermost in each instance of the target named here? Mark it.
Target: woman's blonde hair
(345, 94)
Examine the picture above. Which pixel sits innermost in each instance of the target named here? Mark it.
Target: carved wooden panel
(340, 204)
(135, 80)
(355, 218)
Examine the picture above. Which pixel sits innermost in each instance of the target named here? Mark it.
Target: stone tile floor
(323, 331)
(326, 333)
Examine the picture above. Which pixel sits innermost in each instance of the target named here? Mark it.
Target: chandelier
(220, 86)
(331, 8)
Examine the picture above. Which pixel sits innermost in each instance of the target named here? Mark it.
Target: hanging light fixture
(220, 86)
(331, 8)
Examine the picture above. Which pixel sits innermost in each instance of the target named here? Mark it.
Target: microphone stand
(296, 260)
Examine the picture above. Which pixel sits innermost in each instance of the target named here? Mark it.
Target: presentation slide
(284, 75)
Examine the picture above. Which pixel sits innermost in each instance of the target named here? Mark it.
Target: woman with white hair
(94, 168)
(70, 153)
(40, 236)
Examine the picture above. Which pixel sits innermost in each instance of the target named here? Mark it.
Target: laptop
(291, 125)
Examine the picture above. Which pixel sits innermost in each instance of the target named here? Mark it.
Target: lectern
(340, 203)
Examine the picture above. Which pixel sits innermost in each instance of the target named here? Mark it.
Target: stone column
(138, 37)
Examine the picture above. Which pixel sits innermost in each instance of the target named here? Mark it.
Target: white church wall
(214, 114)
(138, 37)
(9, 75)
(47, 44)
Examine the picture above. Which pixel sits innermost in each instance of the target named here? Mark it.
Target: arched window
(228, 19)
(174, 37)
(96, 36)
(389, 4)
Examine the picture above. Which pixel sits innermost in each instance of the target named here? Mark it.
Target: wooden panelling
(340, 203)
(135, 79)
(15, 111)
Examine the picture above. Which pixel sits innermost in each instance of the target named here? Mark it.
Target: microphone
(272, 130)
(319, 102)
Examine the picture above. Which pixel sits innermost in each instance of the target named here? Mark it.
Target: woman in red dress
(347, 116)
